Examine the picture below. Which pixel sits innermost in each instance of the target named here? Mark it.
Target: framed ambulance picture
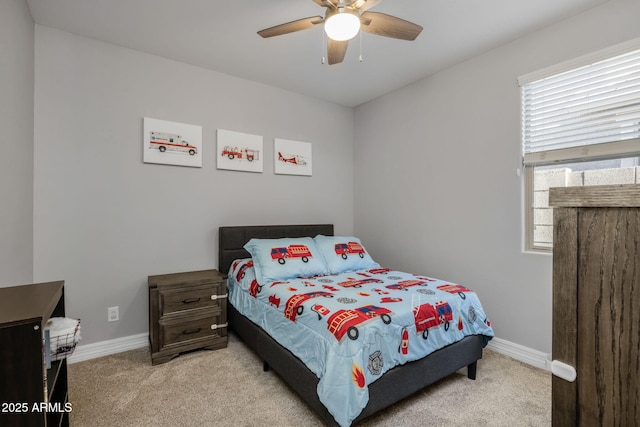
(172, 143)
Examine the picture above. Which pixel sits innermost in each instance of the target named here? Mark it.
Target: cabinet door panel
(608, 316)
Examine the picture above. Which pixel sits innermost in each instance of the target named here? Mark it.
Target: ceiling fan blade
(291, 27)
(336, 50)
(327, 3)
(363, 5)
(389, 26)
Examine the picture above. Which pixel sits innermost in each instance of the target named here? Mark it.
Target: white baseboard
(105, 348)
(519, 352)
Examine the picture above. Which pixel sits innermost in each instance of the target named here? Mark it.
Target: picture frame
(292, 157)
(239, 151)
(171, 143)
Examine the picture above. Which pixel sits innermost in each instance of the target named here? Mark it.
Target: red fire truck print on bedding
(255, 288)
(379, 270)
(345, 322)
(453, 289)
(320, 310)
(291, 251)
(243, 270)
(356, 283)
(427, 316)
(294, 305)
(344, 249)
(406, 284)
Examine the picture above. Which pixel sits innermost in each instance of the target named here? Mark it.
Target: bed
(395, 384)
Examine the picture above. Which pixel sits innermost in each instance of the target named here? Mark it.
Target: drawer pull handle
(215, 297)
(219, 326)
(564, 371)
(191, 331)
(190, 300)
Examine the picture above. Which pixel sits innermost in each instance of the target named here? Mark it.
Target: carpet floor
(227, 387)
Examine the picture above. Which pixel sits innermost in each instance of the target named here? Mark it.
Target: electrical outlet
(113, 314)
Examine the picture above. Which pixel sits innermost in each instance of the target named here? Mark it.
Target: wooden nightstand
(187, 311)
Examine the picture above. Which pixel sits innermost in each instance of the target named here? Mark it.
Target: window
(580, 126)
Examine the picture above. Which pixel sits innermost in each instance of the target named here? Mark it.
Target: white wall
(435, 172)
(16, 158)
(104, 220)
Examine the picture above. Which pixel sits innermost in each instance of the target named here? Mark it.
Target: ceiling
(221, 36)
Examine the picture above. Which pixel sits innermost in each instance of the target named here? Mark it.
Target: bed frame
(393, 386)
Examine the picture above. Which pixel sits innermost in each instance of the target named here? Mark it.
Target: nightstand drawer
(175, 300)
(208, 325)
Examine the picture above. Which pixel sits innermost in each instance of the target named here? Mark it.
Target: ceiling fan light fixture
(343, 20)
(342, 24)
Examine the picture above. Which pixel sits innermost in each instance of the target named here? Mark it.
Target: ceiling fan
(343, 20)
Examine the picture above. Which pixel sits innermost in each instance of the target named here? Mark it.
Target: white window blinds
(592, 111)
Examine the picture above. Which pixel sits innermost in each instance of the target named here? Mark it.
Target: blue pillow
(282, 259)
(343, 254)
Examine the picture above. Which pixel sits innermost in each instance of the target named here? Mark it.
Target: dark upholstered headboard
(232, 239)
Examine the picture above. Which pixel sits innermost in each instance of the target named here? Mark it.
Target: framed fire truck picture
(292, 157)
(239, 151)
(171, 143)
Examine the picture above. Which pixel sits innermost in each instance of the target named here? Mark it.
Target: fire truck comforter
(351, 328)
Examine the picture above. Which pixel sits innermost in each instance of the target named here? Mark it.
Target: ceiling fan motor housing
(342, 23)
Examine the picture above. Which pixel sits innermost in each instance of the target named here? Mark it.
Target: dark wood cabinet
(596, 304)
(187, 311)
(31, 394)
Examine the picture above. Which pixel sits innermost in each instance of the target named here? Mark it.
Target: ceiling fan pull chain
(360, 57)
(324, 48)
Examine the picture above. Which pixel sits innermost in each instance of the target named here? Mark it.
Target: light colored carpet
(227, 387)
